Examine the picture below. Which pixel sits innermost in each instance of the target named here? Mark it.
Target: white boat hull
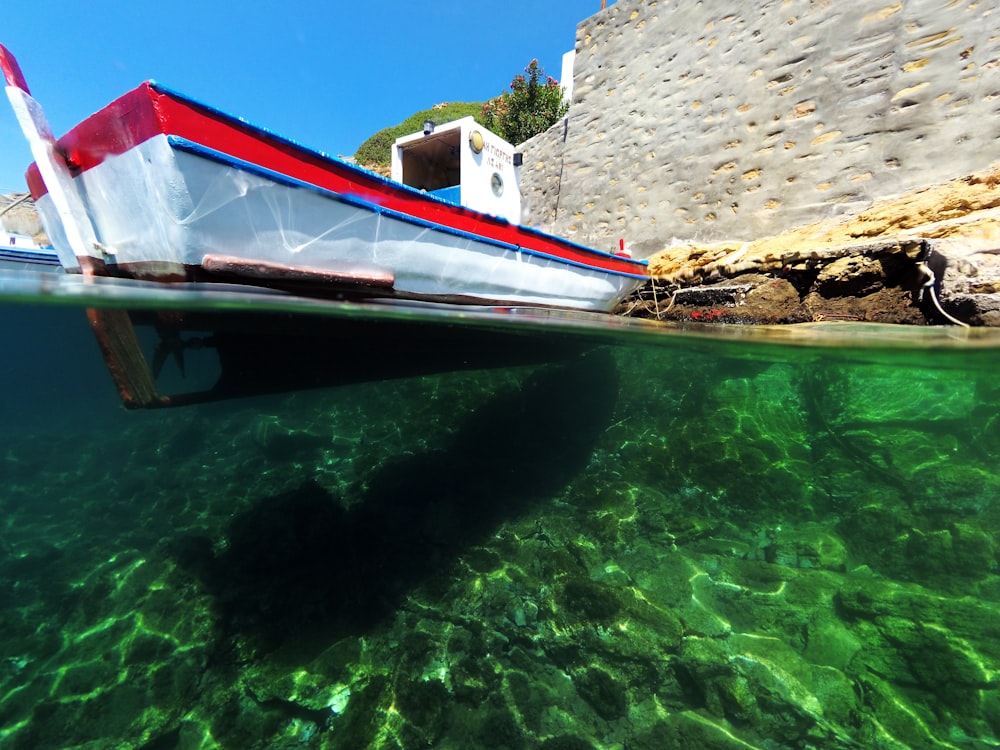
(158, 211)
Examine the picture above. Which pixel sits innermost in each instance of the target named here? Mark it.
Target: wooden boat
(157, 186)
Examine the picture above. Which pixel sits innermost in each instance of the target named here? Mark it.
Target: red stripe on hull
(147, 111)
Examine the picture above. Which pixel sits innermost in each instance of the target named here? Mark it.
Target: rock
(604, 694)
(830, 643)
(426, 705)
(974, 309)
(306, 689)
(750, 427)
(712, 296)
(747, 299)
(947, 558)
(591, 600)
(876, 282)
(566, 742)
(764, 685)
(774, 301)
(851, 276)
(936, 662)
(899, 727)
(807, 546)
(869, 397)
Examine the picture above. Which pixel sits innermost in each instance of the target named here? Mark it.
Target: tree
(529, 108)
(376, 152)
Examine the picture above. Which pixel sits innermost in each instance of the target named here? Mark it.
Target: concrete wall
(707, 119)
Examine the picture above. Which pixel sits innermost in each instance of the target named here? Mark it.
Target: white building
(463, 163)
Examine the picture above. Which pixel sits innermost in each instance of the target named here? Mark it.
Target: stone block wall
(704, 120)
(19, 215)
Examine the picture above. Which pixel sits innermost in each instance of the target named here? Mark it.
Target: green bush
(377, 150)
(529, 108)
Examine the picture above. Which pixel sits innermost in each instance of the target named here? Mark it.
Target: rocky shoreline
(927, 257)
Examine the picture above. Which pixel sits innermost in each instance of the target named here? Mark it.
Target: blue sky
(327, 74)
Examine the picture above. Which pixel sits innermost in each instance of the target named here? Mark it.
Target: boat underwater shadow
(304, 565)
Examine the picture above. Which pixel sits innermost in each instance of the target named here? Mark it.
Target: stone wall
(709, 120)
(18, 215)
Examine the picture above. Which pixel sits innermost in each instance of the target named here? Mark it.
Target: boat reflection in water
(176, 345)
(260, 353)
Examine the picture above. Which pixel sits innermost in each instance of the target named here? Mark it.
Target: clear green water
(678, 539)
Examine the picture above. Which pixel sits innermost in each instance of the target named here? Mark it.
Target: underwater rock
(525, 614)
(916, 544)
(482, 560)
(925, 663)
(652, 630)
(566, 742)
(685, 528)
(942, 484)
(499, 729)
(876, 395)
(947, 558)
(700, 619)
(932, 659)
(831, 643)
(425, 705)
(473, 677)
(604, 694)
(747, 449)
(530, 697)
(967, 617)
(546, 702)
(761, 683)
(361, 721)
(590, 600)
(899, 722)
(723, 567)
(806, 546)
(699, 661)
(281, 445)
(315, 692)
(868, 526)
(689, 729)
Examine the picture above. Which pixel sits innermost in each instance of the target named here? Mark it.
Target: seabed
(674, 540)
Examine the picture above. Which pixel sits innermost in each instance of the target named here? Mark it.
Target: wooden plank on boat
(124, 358)
(232, 265)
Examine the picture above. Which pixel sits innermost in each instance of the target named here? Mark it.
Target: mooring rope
(928, 286)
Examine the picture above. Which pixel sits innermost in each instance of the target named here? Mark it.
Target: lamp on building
(428, 127)
(476, 141)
